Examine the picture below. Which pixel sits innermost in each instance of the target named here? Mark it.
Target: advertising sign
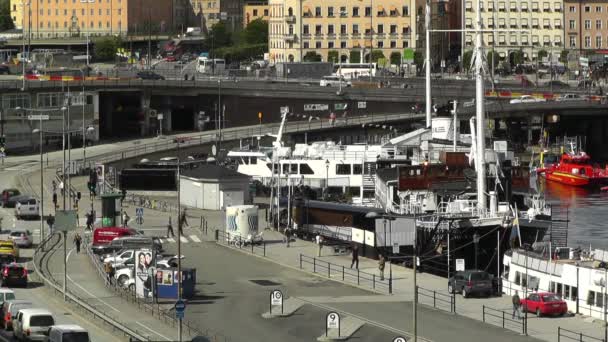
(164, 277)
(315, 107)
(459, 264)
(144, 273)
(408, 55)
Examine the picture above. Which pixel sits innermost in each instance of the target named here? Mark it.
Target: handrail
(124, 329)
(578, 336)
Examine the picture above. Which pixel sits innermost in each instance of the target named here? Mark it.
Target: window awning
(468, 5)
(501, 39)
(524, 5)
(535, 5)
(557, 5)
(469, 39)
(501, 5)
(513, 6)
(546, 38)
(546, 5)
(393, 8)
(513, 40)
(524, 39)
(534, 39)
(380, 8)
(557, 39)
(558, 22)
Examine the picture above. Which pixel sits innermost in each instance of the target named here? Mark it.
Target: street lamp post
(326, 178)
(179, 245)
(476, 242)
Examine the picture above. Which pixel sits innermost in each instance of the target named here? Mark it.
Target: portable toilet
(242, 220)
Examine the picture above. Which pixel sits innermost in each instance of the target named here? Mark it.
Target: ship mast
(479, 113)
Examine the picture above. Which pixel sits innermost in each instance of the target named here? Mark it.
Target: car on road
(29, 208)
(33, 324)
(168, 261)
(103, 236)
(14, 275)
(9, 247)
(170, 59)
(22, 238)
(570, 97)
(7, 194)
(471, 282)
(149, 75)
(334, 81)
(556, 84)
(6, 259)
(6, 295)
(118, 258)
(545, 303)
(4, 69)
(10, 309)
(527, 99)
(132, 242)
(67, 333)
(585, 84)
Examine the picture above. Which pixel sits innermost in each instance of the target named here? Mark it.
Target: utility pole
(150, 39)
(179, 244)
(480, 115)
(427, 26)
(415, 304)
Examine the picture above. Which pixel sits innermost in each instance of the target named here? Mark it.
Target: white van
(33, 324)
(334, 81)
(29, 207)
(67, 333)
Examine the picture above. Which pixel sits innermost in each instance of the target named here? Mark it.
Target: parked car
(5, 295)
(105, 235)
(545, 303)
(6, 259)
(570, 97)
(10, 309)
(22, 238)
(169, 59)
(4, 69)
(33, 324)
(7, 194)
(168, 261)
(67, 333)
(118, 258)
(585, 84)
(556, 84)
(124, 275)
(9, 247)
(334, 81)
(471, 282)
(27, 208)
(527, 99)
(14, 275)
(149, 75)
(131, 242)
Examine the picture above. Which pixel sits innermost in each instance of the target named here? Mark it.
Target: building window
(355, 29)
(330, 11)
(306, 30)
(343, 12)
(587, 9)
(405, 30)
(598, 24)
(587, 42)
(598, 9)
(330, 45)
(572, 9)
(393, 44)
(255, 12)
(342, 45)
(317, 11)
(266, 12)
(368, 11)
(318, 29)
(355, 11)
(598, 42)
(587, 24)
(343, 29)
(393, 29)
(330, 29)
(405, 11)
(380, 29)
(306, 45)
(557, 23)
(546, 23)
(343, 169)
(405, 44)
(572, 24)
(318, 45)
(572, 41)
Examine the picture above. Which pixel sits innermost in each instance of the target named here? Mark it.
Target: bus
(207, 65)
(355, 70)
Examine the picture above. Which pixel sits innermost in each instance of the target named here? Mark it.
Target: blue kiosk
(166, 283)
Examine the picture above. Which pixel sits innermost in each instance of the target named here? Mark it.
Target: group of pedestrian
(181, 222)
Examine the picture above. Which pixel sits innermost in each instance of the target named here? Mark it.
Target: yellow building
(352, 28)
(205, 13)
(63, 18)
(255, 10)
(526, 25)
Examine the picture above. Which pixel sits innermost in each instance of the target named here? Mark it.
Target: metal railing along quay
(569, 335)
(436, 299)
(41, 253)
(341, 272)
(504, 318)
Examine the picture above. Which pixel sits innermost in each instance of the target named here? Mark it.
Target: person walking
(183, 221)
(77, 242)
(170, 228)
(125, 219)
(355, 261)
(287, 235)
(381, 264)
(516, 305)
(319, 239)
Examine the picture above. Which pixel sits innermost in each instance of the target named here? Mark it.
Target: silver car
(22, 238)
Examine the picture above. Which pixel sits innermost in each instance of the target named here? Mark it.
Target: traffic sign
(399, 339)
(33, 117)
(460, 265)
(276, 299)
(180, 307)
(284, 110)
(332, 322)
(584, 61)
(139, 212)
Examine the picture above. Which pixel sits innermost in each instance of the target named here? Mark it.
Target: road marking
(171, 240)
(157, 333)
(183, 239)
(85, 290)
(161, 241)
(195, 238)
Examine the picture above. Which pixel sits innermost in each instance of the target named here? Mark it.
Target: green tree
(396, 58)
(220, 36)
(6, 22)
(355, 57)
(418, 61)
(255, 33)
(542, 54)
(312, 56)
(496, 58)
(517, 57)
(105, 48)
(467, 58)
(333, 56)
(376, 55)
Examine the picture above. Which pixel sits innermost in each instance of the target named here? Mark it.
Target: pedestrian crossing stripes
(194, 238)
(172, 240)
(183, 239)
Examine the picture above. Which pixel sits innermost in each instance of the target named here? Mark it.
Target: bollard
(201, 222)
(314, 265)
(581, 337)
(483, 313)
(217, 235)
(300, 261)
(434, 299)
(390, 285)
(342, 273)
(358, 282)
(251, 247)
(264, 248)
(328, 270)
(503, 319)
(373, 281)
(559, 334)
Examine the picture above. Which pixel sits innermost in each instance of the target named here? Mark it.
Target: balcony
(394, 34)
(356, 34)
(380, 35)
(289, 37)
(306, 35)
(290, 19)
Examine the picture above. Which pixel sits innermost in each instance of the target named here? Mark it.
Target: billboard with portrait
(144, 273)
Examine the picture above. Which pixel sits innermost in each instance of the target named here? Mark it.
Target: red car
(545, 303)
(170, 59)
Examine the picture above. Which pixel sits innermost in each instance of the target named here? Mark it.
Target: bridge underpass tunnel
(120, 114)
(183, 117)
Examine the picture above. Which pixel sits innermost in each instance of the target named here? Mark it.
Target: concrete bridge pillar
(167, 127)
(530, 124)
(145, 105)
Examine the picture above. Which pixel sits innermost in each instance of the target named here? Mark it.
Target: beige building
(586, 24)
(204, 13)
(529, 25)
(352, 28)
(255, 10)
(63, 18)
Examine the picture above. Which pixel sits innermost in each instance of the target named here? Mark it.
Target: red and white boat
(575, 169)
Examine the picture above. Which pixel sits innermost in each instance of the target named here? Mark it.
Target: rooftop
(213, 172)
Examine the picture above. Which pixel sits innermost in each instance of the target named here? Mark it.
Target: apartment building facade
(69, 18)
(352, 28)
(527, 25)
(253, 10)
(586, 25)
(204, 14)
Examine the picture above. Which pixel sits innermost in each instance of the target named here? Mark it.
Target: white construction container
(242, 221)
